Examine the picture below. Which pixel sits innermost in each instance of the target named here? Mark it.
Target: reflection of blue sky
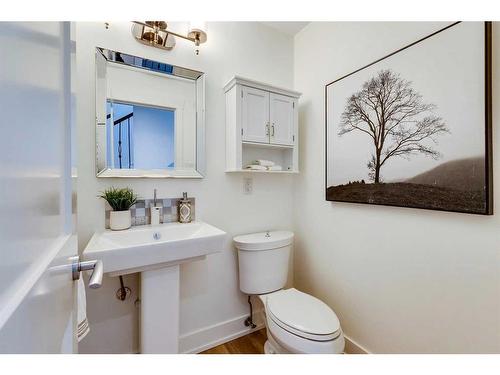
(120, 110)
(145, 63)
(152, 140)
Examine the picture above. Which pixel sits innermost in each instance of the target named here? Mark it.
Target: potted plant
(120, 201)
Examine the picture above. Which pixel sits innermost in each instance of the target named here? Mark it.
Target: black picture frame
(488, 172)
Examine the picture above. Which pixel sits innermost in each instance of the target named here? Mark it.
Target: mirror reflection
(149, 118)
(140, 136)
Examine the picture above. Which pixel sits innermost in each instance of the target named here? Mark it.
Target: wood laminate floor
(252, 343)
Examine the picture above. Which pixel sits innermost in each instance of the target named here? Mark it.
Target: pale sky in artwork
(448, 71)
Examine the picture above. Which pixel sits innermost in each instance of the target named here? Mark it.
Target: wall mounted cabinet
(261, 123)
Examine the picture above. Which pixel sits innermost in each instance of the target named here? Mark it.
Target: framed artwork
(413, 129)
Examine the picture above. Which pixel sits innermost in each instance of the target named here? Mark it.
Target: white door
(282, 119)
(255, 115)
(37, 297)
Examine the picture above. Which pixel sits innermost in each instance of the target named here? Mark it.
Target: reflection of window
(139, 137)
(145, 63)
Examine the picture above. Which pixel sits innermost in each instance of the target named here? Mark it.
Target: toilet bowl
(296, 322)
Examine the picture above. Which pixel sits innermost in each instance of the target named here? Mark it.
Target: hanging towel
(83, 324)
(275, 168)
(256, 167)
(264, 163)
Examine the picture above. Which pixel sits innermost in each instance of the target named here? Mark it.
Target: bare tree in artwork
(394, 116)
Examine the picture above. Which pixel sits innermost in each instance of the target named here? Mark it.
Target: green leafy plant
(119, 199)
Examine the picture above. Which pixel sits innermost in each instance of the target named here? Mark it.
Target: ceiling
(290, 28)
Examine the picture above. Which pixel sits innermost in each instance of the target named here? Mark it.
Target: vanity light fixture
(156, 34)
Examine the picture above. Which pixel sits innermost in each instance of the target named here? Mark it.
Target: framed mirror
(150, 118)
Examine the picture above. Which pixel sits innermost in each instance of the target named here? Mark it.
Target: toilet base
(272, 347)
(268, 348)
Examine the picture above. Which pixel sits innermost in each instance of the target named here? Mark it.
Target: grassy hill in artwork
(456, 185)
(462, 174)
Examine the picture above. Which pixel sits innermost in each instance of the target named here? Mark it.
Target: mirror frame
(198, 77)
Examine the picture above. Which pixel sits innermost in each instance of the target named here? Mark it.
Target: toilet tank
(263, 260)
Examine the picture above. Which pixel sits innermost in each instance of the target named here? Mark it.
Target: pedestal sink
(156, 252)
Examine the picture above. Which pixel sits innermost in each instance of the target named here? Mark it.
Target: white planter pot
(120, 220)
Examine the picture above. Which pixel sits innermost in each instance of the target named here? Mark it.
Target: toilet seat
(303, 315)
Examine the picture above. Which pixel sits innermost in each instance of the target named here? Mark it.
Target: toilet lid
(263, 240)
(302, 313)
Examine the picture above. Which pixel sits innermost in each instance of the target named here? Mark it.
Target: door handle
(91, 265)
(272, 127)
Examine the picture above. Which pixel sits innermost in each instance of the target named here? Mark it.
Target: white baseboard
(217, 334)
(220, 333)
(352, 347)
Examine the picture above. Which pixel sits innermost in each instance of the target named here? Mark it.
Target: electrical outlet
(247, 185)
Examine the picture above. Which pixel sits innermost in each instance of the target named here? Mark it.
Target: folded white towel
(83, 324)
(256, 167)
(275, 168)
(265, 163)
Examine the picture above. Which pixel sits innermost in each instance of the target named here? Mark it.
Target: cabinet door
(255, 115)
(282, 118)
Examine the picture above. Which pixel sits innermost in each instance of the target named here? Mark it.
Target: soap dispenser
(155, 211)
(184, 209)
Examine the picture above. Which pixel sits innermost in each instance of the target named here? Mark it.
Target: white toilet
(296, 322)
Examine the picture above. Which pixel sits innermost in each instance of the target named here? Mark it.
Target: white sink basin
(149, 247)
(156, 252)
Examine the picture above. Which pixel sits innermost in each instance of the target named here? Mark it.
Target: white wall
(209, 289)
(401, 280)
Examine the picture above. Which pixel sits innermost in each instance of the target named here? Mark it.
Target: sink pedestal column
(159, 328)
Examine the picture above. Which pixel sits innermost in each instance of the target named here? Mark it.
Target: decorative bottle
(184, 209)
